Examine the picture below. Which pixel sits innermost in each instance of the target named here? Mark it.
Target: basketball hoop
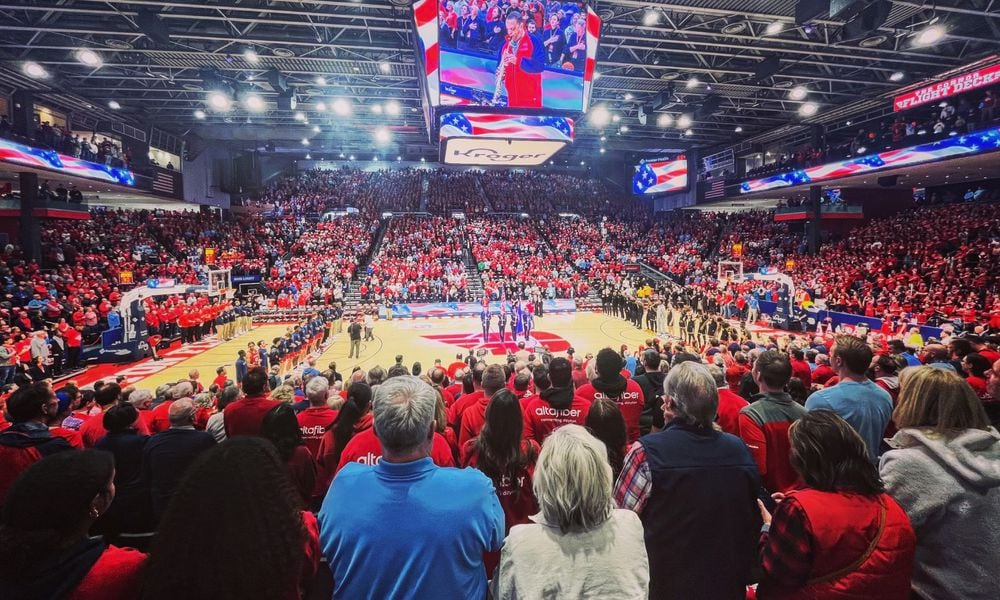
(730, 270)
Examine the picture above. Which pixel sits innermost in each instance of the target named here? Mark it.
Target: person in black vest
(696, 490)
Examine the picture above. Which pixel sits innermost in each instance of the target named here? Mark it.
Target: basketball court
(422, 340)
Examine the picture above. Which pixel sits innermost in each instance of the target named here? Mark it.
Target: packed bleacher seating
(512, 256)
(419, 260)
(449, 191)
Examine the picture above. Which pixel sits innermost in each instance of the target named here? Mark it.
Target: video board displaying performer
(513, 53)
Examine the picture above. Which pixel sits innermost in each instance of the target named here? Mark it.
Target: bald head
(181, 413)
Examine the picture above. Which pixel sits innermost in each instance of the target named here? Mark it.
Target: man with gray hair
(167, 455)
(695, 489)
(400, 520)
(159, 419)
(142, 400)
(315, 420)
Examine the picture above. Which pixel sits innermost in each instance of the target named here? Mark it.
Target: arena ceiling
(155, 55)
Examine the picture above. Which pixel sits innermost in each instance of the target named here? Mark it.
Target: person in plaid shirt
(695, 489)
(841, 535)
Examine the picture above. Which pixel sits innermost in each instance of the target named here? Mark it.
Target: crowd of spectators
(512, 256)
(420, 260)
(449, 191)
(678, 471)
(97, 148)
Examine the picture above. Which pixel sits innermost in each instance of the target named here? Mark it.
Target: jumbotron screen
(661, 176)
(524, 54)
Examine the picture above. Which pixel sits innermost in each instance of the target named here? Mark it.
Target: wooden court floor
(422, 340)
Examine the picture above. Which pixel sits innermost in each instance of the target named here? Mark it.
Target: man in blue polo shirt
(406, 528)
(856, 399)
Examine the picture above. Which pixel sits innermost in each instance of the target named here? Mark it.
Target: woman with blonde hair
(944, 471)
(283, 393)
(579, 545)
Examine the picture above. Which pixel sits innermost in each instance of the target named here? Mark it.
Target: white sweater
(608, 562)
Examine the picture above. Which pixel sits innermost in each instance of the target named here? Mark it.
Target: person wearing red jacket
(610, 384)
(824, 372)
(800, 367)
(841, 535)
(522, 60)
(365, 448)
(474, 415)
(315, 420)
(246, 415)
(764, 423)
(555, 406)
(730, 403)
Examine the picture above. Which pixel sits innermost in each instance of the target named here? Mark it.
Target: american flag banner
(951, 147)
(715, 189)
(593, 33)
(48, 159)
(165, 182)
(521, 127)
(661, 176)
(425, 15)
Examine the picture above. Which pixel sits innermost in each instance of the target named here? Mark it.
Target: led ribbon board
(53, 161)
(952, 147)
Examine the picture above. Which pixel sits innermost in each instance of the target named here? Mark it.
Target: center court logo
(494, 156)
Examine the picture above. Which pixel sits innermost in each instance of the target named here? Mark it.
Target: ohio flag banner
(951, 147)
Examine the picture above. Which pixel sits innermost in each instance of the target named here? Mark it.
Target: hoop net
(730, 270)
(220, 282)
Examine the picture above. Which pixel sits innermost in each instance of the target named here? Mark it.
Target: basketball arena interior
(466, 299)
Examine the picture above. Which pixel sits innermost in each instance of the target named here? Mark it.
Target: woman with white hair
(579, 545)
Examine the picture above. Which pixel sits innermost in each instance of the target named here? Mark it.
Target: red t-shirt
(822, 374)
(630, 401)
(73, 437)
(473, 419)
(220, 381)
(455, 410)
(800, 369)
(364, 448)
(541, 419)
(116, 574)
(733, 376)
(728, 417)
(313, 421)
(245, 416)
(159, 417)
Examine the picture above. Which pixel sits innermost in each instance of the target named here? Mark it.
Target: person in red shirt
(455, 366)
(730, 403)
(824, 372)
(354, 417)
(365, 448)
(612, 385)
(246, 415)
(522, 61)
(43, 524)
(220, 378)
(503, 454)
(800, 367)
(557, 405)
(474, 415)
(315, 420)
(736, 372)
(466, 400)
(93, 428)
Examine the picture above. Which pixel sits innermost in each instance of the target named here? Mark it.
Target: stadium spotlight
(624, 128)
(929, 35)
(113, 105)
(862, 150)
(316, 129)
(382, 135)
(600, 117)
(808, 109)
(692, 82)
(774, 28)
(798, 92)
(34, 70)
(602, 150)
(89, 57)
(650, 18)
(320, 80)
(219, 101)
(688, 133)
(250, 55)
(384, 67)
(341, 107)
(305, 141)
(615, 118)
(628, 96)
(897, 76)
(392, 107)
(664, 120)
(738, 129)
(377, 109)
(320, 106)
(254, 103)
(300, 116)
(199, 114)
(351, 157)
(684, 121)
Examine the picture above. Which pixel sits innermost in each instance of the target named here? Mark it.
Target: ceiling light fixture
(250, 56)
(664, 120)
(382, 135)
(600, 117)
(738, 129)
(199, 114)
(929, 35)
(798, 93)
(218, 101)
(684, 121)
(305, 141)
(34, 70)
(377, 109)
(300, 116)
(320, 107)
(808, 109)
(113, 105)
(342, 107)
(392, 107)
(89, 57)
(650, 18)
(688, 133)
(897, 76)
(774, 28)
(692, 82)
(254, 103)
(320, 80)
(385, 67)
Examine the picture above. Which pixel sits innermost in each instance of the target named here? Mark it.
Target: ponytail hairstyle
(359, 401)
